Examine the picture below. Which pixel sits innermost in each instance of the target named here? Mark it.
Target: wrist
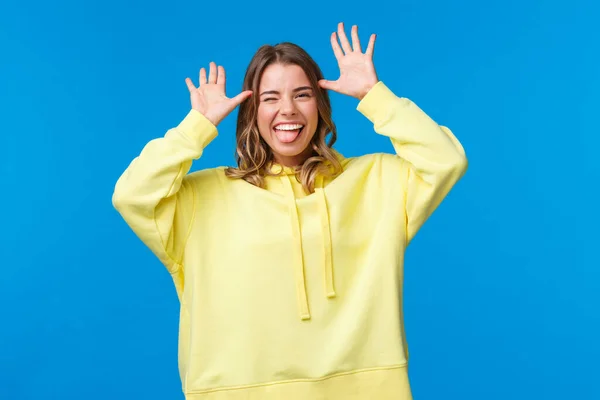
(212, 119)
(366, 90)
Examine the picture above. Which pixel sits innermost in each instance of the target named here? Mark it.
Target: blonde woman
(289, 266)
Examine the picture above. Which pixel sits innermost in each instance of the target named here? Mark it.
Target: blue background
(502, 282)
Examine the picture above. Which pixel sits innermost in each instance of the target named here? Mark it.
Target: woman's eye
(305, 95)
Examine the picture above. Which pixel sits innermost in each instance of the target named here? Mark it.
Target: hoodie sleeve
(432, 160)
(154, 194)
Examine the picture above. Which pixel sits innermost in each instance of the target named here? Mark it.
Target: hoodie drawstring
(297, 256)
(325, 230)
(298, 260)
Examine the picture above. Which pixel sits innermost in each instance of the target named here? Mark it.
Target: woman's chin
(294, 154)
(289, 150)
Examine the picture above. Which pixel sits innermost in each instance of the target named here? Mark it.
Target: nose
(287, 107)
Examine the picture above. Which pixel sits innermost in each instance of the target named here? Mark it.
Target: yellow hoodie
(285, 295)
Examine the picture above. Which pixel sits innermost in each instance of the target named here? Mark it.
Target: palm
(209, 97)
(353, 69)
(357, 72)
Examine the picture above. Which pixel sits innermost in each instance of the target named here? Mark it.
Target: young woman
(289, 267)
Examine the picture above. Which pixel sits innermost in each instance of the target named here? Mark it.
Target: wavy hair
(253, 155)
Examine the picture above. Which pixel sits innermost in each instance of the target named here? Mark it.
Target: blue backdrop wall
(502, 282)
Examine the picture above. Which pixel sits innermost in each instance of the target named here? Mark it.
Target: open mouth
(287, 133)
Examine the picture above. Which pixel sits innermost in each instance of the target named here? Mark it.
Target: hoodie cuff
(198, 128)
(376, 103)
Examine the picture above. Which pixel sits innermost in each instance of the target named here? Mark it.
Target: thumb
(326, 84)
(237, 100)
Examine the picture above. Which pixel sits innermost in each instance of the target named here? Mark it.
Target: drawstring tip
(331, 295)
(305, 317)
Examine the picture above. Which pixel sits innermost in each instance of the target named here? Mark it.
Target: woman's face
(287, 113)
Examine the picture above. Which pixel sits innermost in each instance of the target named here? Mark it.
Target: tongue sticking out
(287, 136)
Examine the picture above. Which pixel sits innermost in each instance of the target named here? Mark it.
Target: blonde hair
(253, 155)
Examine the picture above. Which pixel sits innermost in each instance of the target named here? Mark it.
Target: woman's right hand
(209, 97)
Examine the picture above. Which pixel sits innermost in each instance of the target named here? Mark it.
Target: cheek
(311, 113)
(264, 118)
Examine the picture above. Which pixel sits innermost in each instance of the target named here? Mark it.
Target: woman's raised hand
(209, 97)
(357, 72)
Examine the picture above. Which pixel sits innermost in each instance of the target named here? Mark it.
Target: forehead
(278, 76)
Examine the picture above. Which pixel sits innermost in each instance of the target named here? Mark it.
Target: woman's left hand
(357, 72)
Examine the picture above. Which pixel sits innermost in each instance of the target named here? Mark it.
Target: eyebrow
(298, 89)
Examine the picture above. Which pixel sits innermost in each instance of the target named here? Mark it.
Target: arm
(154, 194)
(432, 159)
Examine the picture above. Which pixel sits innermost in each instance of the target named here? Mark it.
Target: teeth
(288, 127)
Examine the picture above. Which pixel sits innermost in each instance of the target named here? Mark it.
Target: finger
(241, 97)
(355, 39)
(221, 75)
(212, 74)
(190, 85)
(202, 77)
(371, 45)
(343, 38)
(329, 85)
(336, 47)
